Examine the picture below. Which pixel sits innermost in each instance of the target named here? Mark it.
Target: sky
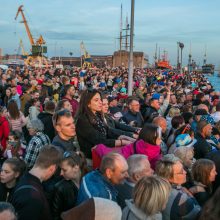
(65, 23)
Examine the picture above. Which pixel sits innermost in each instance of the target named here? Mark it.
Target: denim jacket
(94, 184)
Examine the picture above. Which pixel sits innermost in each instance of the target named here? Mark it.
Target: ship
(208, 69)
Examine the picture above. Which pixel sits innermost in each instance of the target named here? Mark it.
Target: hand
(126, 142)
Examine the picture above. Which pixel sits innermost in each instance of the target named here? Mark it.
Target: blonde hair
(151, 194)
(183, 153)
(174, 112)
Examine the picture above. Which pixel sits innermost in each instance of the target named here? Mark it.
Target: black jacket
(63, 144)
(149, 114)
(136, 117)
(5, 193)
(117, 128)
(201, 147)
(46, 119)
(64, 198)
(88, 136)
(30, 201)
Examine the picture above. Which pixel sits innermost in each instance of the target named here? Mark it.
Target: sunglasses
(63, 112)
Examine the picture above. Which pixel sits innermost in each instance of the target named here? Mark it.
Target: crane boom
(20, 10)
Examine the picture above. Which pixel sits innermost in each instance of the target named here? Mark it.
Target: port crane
(87, 60)
(36, 58)
(21, 48)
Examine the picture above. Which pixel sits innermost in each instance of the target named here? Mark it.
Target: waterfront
(215, 81)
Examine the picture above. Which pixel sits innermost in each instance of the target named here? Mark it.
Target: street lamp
(181, 45)
(131, 61)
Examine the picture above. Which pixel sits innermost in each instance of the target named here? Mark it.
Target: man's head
(203, 106)
(112, 101)
(173, 100)
(13, 90)
(49, 106)
(138, 167)
(69, 90)
(155, 103)
(204, 128)
(63, 123)
(134, 105)
(161, 122)
(47, 161)
(7, 211)
(114, 167)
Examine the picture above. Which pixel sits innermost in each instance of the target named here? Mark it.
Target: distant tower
(126, 34)
(155, 56)
(190, 60)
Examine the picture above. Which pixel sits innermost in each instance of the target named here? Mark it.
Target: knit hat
(184, 140)
(123, 90)
(156, 96)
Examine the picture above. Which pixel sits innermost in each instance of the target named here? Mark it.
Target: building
(121, 58)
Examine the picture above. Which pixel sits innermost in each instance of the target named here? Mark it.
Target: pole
(178, 60)
(131, 62)
(181, 60)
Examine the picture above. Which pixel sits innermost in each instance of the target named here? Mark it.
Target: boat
(208, 69)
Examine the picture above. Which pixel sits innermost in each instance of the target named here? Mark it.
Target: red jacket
(4, 131)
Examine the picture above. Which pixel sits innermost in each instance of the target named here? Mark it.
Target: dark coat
(46, 119)
(88, 136)
(201, 147)
(30, 201)
(117, 128)
(5, 193)
(136, 117)
(64, 197)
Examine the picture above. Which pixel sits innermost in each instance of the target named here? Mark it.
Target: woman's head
(11, 170)
(185, 154)
(90, 102)
(151, 194)
(171, 168)
(204, 171)
(35, 126)
(151, 134)
(174, 112)
(13, 109)
(71, 166)
(8, 92)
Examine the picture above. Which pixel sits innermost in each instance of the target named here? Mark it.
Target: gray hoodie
(131, 212)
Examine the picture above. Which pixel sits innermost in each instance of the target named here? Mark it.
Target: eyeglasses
(63, 112)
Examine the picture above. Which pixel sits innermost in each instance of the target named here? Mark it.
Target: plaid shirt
(36, 143)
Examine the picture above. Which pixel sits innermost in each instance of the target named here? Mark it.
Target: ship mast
(204, 61)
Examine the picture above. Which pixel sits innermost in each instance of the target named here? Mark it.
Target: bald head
(161, 122)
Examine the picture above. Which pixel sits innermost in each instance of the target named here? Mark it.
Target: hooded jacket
(46, 119)
(131, 212)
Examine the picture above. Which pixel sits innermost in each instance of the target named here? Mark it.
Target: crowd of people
(74, 145)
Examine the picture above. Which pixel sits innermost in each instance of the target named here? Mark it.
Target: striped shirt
(36, 143)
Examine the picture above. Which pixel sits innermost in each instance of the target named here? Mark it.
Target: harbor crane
(36, 58)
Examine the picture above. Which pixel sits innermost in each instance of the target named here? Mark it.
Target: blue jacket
(94, 184)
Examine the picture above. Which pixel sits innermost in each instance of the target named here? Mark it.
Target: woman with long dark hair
(15, 117)
(90, 127)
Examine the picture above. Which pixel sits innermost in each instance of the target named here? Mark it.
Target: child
(14, 147)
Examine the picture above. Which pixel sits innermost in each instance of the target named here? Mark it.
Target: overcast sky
(65, 23)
